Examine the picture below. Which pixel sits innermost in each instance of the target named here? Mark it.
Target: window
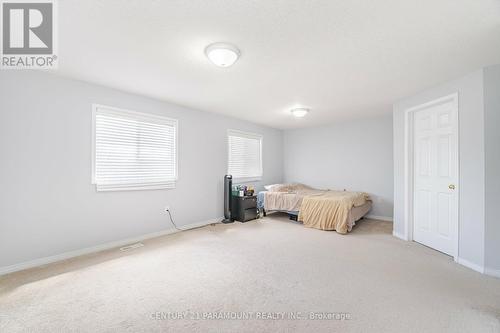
(244, 156)
(132, 150)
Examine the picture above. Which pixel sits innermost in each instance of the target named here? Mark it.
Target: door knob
(451, 186)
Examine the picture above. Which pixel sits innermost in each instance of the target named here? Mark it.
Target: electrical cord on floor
(172, 220)
(181, 229)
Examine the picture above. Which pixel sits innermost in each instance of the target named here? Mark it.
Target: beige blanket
(325, 210)
(330, 211)
(288, 201)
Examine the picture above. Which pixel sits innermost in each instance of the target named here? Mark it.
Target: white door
(435, 173)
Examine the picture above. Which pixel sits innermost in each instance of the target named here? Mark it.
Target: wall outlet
(167, 208)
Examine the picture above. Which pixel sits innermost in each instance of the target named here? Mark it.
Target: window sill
(134, 187)
(246, 180)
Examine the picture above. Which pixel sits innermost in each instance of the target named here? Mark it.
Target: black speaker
(228, 184)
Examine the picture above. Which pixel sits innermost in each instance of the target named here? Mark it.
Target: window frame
(139, 116)
(250, 135)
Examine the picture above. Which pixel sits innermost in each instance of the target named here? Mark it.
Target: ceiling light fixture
(222, 54)
(299, 112)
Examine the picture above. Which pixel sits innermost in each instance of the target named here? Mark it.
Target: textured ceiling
(343, 59)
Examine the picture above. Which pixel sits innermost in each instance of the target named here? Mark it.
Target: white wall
(47, 203)
(492, 164)
(471, 161)
(354, 155)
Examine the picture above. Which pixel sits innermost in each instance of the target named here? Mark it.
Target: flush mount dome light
(222, 54)
(299, 112)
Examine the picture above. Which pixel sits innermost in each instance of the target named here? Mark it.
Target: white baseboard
(381, 218)
(471, 265)
(400, 236)
(492, 272)
(101, 247)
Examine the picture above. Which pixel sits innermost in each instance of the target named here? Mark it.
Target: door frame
(409, 163)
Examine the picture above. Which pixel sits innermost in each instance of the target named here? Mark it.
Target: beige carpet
(271, 268)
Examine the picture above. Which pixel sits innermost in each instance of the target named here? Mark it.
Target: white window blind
(133, 150)
(244, 155)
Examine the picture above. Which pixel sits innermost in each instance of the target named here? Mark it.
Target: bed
(319, 209)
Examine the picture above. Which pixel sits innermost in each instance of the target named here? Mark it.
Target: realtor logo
(28, 34)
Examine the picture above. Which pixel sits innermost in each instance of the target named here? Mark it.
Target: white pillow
(298, 187)
(294, 187)
(272, 187)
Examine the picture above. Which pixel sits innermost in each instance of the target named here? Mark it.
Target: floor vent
(131, 247)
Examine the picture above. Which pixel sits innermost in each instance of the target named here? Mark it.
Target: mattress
(357, 213)
(290, 204)
(261, 198)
